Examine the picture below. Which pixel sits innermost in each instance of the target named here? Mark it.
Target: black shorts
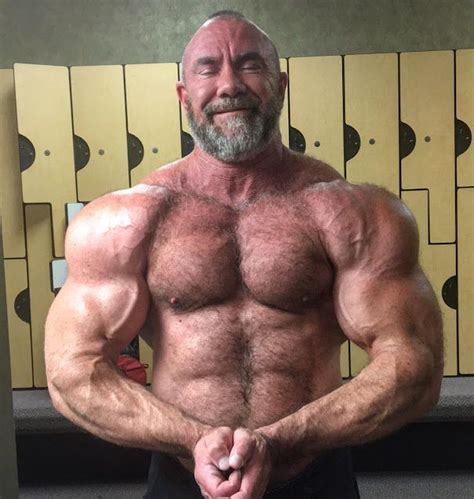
(328, 477)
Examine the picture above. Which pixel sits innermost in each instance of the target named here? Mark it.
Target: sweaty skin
(245, 279)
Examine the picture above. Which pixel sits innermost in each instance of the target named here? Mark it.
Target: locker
(44, 119)
(98, 103)
(427, 106)
(465, 113)
(439, 264)
(466, 279)
(371, 102)
(344, 360)
(18, 313)
(316, 106)
(153, 114)
(40, 254)
(284, 118)
(11, 206)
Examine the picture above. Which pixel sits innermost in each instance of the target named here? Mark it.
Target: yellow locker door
(465, 113)
(284, 118)
(18, 313)
(316, 107)
(466, 279)
(427, 106)
(371, 100)
(344, 360)
(40, 254)
(371, 103)
(46, 145)
(187, 142)
(98, 103)
(439, 263)
(11, 206)
(153, 114)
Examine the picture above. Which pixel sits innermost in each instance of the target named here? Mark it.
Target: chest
(204, 253)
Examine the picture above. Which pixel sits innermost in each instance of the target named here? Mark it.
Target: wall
(83, 32)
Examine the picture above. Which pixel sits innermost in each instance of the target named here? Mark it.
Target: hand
(251, 454)
(212, 471)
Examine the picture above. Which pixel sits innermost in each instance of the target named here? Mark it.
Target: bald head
(228, 16)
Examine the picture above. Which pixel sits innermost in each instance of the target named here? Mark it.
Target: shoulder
(308, 170)
(171, 175)
(110, 233)
(362, 224)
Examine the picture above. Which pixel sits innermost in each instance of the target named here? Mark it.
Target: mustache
(230, 104)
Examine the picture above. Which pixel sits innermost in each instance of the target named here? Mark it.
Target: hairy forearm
(100, 399)
(384, 396)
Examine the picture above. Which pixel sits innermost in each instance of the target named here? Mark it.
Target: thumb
(241, 452)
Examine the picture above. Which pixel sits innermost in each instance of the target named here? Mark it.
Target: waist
(236, 401)
(330, 463)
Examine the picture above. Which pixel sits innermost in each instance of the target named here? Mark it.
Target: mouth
(233, 110)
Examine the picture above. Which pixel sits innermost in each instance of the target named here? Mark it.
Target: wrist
(273, 445)
(195, 436)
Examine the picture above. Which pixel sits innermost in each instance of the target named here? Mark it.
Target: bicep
(95, 320)
(383, 312)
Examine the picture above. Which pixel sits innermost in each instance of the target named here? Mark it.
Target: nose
(230, 84)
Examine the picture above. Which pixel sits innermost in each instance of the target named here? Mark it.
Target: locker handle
(27, 152)
(462, 138)
(407, 139)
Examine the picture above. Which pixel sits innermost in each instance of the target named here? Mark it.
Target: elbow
(57, 388)
(433, 389)
(63, 387)
(429, 384)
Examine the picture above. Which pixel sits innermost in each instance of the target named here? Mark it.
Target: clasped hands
(232, 464)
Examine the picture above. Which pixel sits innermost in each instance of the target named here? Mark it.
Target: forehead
(232, 36)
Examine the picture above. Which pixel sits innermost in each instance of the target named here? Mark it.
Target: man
(245, 266)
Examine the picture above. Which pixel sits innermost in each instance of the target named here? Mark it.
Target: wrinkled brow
(205, 61)
(250, 56)
(208, 60)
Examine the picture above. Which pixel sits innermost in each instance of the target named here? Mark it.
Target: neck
(236, 183)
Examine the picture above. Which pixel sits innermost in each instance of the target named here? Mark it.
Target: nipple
(174, 300)
(305, 298)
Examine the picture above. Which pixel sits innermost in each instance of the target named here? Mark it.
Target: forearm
(382, 398)
(104, 402)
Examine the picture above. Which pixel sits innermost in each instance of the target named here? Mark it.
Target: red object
(132, 368)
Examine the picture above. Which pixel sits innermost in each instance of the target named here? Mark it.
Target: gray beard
(247, 135)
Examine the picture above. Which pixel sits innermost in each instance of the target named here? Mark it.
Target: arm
(101, 308)
(384, 304)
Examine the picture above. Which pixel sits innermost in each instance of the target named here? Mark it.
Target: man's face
(233, 92)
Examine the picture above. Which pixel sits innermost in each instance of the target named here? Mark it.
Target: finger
(235, 479)
(212, 482)
(241, 452)
(218, 446)
(254, 478)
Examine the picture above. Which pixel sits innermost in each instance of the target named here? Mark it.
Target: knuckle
(214, 447)
(225, 430)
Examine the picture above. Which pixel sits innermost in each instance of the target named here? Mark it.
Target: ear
(283, 82)
(182, 94)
